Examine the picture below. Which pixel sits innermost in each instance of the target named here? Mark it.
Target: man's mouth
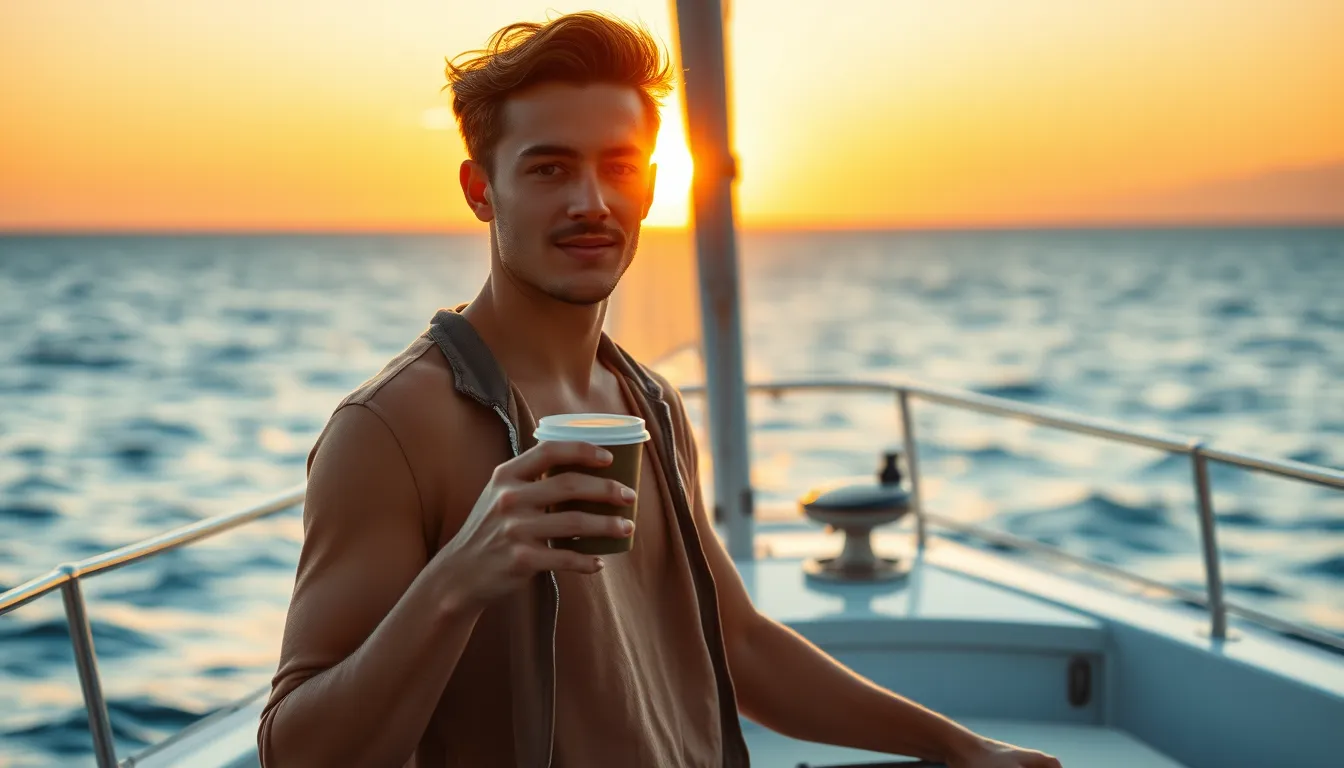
(592, 248)
(587, 241)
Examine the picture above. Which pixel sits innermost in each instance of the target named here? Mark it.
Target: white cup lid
(596, 428)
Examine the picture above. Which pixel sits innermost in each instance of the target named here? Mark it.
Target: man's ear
(648, 193)
(476, 189)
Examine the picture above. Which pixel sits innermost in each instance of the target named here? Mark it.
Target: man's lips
(592, 241)
(589, 248)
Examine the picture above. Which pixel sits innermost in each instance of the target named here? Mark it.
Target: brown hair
(579, 48)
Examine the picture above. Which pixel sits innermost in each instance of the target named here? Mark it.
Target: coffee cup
(624, 436)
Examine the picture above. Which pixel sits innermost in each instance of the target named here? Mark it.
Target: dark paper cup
(624, 436)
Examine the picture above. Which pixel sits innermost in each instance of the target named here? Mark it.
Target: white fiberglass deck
(1076, 746)
(956, 643)
(987, 655)
(997, 655)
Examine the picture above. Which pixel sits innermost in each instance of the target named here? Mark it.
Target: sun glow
(672, 193)
(330, 115)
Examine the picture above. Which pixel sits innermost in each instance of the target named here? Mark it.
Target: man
(431, 623)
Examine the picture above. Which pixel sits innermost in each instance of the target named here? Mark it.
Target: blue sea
(147, 382)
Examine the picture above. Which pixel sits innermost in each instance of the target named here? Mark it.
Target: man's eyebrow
(549, 150)
(624, 150)
(559, 150)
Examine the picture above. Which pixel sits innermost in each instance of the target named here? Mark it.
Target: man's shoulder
(413, 368)
(449, 443)
(414, 393)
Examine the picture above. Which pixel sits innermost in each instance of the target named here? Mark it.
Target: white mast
(700, 26)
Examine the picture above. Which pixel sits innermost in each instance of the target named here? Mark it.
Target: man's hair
(579, 48)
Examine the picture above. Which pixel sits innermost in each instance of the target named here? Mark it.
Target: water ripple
(1332, 567)
(30, 513)
(186, 376)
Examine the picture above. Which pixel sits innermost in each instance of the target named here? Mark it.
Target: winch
(855, 510)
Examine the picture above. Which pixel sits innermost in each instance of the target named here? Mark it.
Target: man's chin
(587, 298)
(583, 290)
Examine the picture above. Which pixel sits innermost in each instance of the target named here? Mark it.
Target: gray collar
(478, 375)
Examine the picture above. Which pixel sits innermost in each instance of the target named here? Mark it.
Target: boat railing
(1199, 452)
(67, 577)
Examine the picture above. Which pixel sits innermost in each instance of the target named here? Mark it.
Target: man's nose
(588, 199)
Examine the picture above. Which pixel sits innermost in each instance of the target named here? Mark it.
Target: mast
(700, 29)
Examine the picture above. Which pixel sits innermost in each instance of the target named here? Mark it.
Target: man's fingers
(547, 559)
(565, 525)
(575, 486)
(537, 460)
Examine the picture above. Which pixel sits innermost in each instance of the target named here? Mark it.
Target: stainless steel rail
(1199, 453)
(1188, 595)
(67, 579)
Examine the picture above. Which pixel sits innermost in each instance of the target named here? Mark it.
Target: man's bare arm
(820, 699)
(375, 630)
(372, 637)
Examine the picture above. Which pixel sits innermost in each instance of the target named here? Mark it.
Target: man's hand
(987, 753)
(505, 539)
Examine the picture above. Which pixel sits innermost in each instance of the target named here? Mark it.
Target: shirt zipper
(555, 589)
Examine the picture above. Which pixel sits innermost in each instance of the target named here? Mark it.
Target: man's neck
(538, 338)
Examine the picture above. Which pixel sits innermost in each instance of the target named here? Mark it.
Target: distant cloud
(1302, 194)
(437, 119)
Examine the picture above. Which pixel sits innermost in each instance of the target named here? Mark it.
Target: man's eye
(623, 169)
(549, 169)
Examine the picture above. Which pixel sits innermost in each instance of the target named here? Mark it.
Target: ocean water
(146, 382)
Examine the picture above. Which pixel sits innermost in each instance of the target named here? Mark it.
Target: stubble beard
(574, 296)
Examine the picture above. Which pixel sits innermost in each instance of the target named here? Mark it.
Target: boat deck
(229, 741)
(1080, 746)
(990, 656)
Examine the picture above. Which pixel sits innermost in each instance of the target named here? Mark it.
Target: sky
(328, 114)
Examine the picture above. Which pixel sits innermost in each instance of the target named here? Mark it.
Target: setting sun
(672, 195)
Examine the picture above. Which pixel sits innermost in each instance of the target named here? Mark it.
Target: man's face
(571, 184)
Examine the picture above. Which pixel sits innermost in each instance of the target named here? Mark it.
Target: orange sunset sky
(327, 114)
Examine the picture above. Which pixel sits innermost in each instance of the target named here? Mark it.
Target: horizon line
(987, 227)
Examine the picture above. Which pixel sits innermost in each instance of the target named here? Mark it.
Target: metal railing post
(1208, 535)
(81, 637)
(912, 464)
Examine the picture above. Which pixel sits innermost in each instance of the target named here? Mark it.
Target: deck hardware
(856, 510)
(1080, 682)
